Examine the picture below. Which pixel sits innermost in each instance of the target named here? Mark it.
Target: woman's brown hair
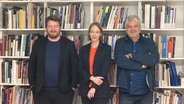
(99, 27)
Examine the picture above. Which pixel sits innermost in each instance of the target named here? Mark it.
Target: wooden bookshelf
(91, 8)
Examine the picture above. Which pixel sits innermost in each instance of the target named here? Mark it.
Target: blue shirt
(52, 64)
(136, 79)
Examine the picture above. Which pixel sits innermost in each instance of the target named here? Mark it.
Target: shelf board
(90, 0)
(170, 87)
(113, 29)
(14, 57)
(13, 84)
(173, 29)
(67, 1)
(39, 29)
(172, 59)
(43, 29)
(169, 29)
(160, 0)
(74, 30)
(41, 1)
(21, 1)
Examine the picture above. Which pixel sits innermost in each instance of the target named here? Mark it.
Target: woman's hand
(91, 93)
(97, 80)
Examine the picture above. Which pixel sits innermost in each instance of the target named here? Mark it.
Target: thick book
(171, 74)
(164, 46)
(147, 16)
(175, 75)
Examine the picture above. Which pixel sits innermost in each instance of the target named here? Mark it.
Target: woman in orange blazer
(94, 63)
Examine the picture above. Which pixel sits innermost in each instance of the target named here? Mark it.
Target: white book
(168, 77)
(73, 14)
(173, 18)
(147, 16)
(81, 25)
(69, 15)
(24, 19)
(7, 78)
(171, 14)
(10, 17)
(14, 72)
(125, 16)
(66, 17)
(14, 21)
(113, 17)
(29, 14)
(109, 40)
(63, 17)
(167, 96)
(160, 71)
(38, 16)
(175, 101)
(115, 74)
(140, 11)
(16, 45)
(162, 22)
(23, 45)
(160, 45)
(13, 47)
(110, 18)
(153, 17)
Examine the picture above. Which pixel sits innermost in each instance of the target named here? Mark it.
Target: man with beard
(53, 66)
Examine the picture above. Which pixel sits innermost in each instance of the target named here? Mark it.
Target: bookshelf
(91, 8)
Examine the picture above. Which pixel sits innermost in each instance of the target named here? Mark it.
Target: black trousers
(52, 96)
(85, 100)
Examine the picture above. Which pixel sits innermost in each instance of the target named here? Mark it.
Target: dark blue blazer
(149, 58)
(101, 67)
(68, 65)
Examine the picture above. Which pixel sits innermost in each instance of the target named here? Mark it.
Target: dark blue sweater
(52, 64)
(131, 77)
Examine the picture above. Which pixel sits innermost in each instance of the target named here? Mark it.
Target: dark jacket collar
(100, 44)
(129, 39)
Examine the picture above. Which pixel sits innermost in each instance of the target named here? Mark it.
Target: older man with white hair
(135, 57)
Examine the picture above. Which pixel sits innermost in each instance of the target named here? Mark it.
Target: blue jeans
(126, 98)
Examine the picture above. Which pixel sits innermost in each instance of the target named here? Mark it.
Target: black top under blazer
(68, 65)
(101, 67)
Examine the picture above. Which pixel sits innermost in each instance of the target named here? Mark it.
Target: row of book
(158, 16)
(21, 45)
(168, 46)
(112, 17)
(17, 95)
(14, 72)
(81, 40)
(17, 45)
(29, 16)
(166, 74)
(71, 16)
(167, 97)
(165, 44)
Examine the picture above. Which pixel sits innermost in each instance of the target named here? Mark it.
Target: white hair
(133, 18)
